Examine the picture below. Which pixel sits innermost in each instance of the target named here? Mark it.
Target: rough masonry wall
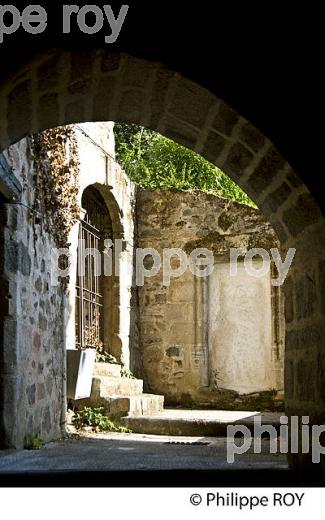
(38, 315)
(33, 358)
(176, 322)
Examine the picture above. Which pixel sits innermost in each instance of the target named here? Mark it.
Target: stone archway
(63, 87)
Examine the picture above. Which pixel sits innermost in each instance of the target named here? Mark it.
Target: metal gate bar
(89, 298)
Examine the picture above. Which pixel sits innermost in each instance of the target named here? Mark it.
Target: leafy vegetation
(33, 442)
(152, 161)
(95, 418)
(55, 154)
(104, 357)
(125, 372)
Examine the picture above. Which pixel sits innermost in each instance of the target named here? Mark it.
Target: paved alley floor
(120, 459)
(132, 452)
(146, 459)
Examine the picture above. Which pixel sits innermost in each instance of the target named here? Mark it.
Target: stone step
(116, 407)
(107, 386)
(137, 405)
(146, 404)
(107, 369)
(197, 423)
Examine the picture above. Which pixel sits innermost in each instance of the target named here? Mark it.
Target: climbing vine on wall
(56, 162)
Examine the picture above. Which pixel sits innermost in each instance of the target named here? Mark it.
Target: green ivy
(125, 372)
(104, 357)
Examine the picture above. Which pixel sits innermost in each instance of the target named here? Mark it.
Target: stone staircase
(123, 401)
(120, 396)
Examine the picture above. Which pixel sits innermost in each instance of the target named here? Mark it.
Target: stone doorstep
(107, 386)
(137, 405)
(120, 396)
(146, 404)
(118, 406)
(165, 424)
(107, 369)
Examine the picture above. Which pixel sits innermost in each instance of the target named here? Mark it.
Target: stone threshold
(204, 423)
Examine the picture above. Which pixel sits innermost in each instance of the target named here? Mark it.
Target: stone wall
(207, 341)
(37, 312)
(32, 355)
(98, 168)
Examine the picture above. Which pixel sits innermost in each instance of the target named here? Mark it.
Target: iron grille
(89, 298)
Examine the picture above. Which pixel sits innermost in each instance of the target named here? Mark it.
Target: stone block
(17, 258)
(136, 73)
(173, 351)
(42, 322)
(289, 300)
(190, 104)
(251, 137)
(48, 109)
(180, 132)
(266, 171)
(239, 158)
(11, 423)
(180, 332)
(41, 393)
(20, 110)
(304, 213)
(75, 111)
(289, 371)
(81, 65)
(113, 386)
(10, 359)
(36, 342)
(48, 77)
(321, 278)
(225, 120)
(278, 197)
(111, 61)
(179, 312)
(181, 292)
(160, 299)
(46, 420)
(107, 369)
(280, 231)
(304, 339)
(159, 95)
(305, 296)
(49, 384)
(31, 394)
(293, 179)
(213, 146)
(305, 383)
(130, 106)
(80, 87)
(146, 405)
(105, 91)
